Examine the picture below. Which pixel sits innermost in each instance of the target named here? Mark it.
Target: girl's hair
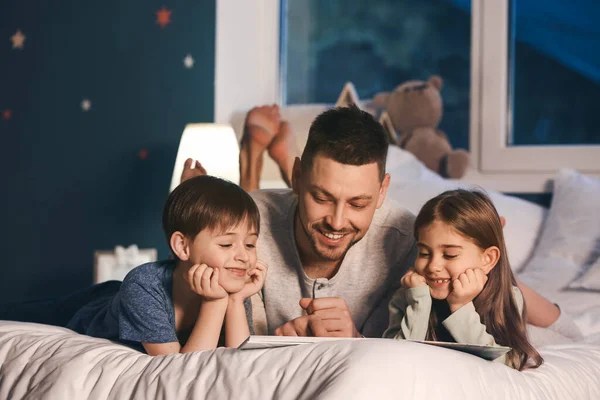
(206, 202)
(474, 216)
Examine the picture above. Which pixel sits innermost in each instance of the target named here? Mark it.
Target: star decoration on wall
(143, 154)
(6, 114)
(18, 39)
(163, 17)
(188, 61)
(86, 104)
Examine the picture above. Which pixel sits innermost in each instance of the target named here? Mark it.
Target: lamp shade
(214, 145)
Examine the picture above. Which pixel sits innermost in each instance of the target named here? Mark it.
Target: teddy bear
(415, 109)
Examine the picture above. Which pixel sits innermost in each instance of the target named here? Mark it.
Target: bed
(553, 250)
(41, 361)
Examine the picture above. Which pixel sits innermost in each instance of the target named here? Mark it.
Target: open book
(269, 342)
(485, 352)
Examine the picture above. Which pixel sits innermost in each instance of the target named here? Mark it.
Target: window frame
(246, 56)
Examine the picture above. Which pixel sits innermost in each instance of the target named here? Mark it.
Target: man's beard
(335, 254)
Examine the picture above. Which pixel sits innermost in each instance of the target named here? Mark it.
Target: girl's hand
(412, 279)
(204, 280)
(466, 287)
(257, 280)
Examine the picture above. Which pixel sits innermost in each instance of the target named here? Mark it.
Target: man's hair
(348, 136)
(206, 202)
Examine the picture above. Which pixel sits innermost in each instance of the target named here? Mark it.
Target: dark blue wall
(73, 181)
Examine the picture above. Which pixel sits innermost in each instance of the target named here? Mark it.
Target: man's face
(336, 203)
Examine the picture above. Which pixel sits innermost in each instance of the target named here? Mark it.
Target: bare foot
(191, 170)
(283, 151)
(266, 119)
(261, 125)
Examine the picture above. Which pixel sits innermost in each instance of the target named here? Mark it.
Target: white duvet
(39, 361)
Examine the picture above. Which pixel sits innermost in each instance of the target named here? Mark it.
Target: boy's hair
(474, 216)
(349, 136)
(206, 202)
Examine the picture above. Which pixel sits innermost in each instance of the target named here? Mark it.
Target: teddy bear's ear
(436, 81)
(381, 99)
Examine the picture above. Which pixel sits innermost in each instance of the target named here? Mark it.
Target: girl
(461, 288)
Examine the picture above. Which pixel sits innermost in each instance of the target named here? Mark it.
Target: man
(336, 252)
(336, 249)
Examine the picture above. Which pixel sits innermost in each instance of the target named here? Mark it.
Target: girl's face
(444, 254)
(233, 251)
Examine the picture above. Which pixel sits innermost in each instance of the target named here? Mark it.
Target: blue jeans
(57, 311)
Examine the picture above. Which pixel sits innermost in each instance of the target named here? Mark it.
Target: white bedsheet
(38, 361)
(550, 277)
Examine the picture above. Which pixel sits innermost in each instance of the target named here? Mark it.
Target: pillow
(412, 184)
(590, 280)
(572, 230)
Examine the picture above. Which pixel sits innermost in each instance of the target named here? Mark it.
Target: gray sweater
(368, 277)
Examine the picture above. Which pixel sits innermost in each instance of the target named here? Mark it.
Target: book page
(269, 342)
(485, 352)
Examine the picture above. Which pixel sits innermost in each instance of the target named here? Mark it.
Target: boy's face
(233, 251)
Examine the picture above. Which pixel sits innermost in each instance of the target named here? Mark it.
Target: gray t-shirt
(368, 277)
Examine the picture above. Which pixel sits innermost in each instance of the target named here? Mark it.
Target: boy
(180, 305)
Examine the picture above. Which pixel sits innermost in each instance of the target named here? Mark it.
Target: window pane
(555, 72)
(377, 45)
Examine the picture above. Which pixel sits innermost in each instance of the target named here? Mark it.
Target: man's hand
(257, 280)
(412, 279)
(465, 288)
(334, 314)
(306, 325)
(204, 280)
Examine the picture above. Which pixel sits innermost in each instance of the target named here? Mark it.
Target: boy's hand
(257, 280)
(412, 279)
(466, 287)
(204, 280)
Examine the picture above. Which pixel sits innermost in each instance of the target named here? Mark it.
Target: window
(377, 45)
(537, 80)
(508, 66)
(555, 67)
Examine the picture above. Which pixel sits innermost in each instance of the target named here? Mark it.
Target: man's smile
(332, 237)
